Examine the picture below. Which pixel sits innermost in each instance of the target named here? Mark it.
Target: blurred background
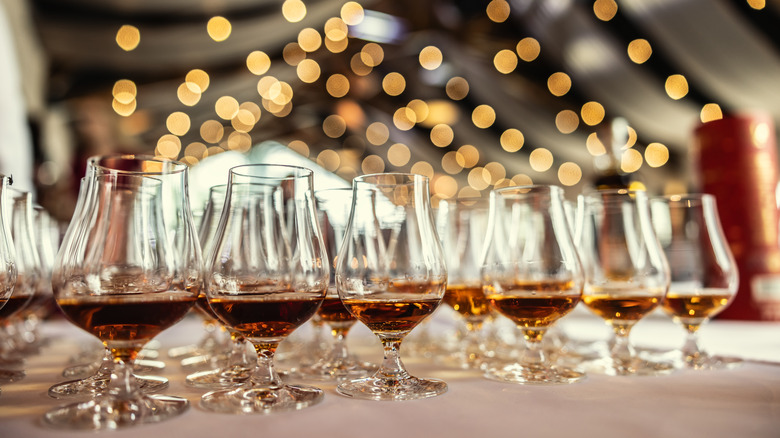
(474, 94)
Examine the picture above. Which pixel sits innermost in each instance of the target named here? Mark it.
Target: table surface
(740, 402)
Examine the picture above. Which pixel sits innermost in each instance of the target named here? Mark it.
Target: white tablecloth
(741, 402)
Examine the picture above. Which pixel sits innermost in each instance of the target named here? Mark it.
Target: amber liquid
(469, 301)
(270, 315)
(625, 305)
(202, 306)
(696, 306)
(534, 304)
(391, 316)
(126, 317)
(14, 304)
(333, 310)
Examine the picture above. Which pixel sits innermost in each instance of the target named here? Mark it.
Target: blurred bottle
(735, 159)
(614, 136)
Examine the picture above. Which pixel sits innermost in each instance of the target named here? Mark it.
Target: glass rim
(96, 160)
(528, 190)
(411, 179)
(298, 171)
(685, 197)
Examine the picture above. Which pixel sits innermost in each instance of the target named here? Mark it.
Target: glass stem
(238, 352)
(533, 355)
(122, 384)
(690, 351)
(392, 368)
(621, 351)
(339, 353)
(473, 347)
(265, 375)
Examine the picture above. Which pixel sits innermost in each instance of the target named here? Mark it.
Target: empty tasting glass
(390, 274)
(337, 364)
(267, 273)
(626, 273)
(531, 274)
(704, 276)
(7, 255)
(132, 270)
(462, 225)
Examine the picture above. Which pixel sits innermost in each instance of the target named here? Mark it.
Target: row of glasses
(8, 269)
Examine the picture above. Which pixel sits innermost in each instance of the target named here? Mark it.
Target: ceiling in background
(475, 94)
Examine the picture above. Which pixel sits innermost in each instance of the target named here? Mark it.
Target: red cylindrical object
(736, 161)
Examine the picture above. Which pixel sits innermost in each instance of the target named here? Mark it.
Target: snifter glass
(626, 272)
(704, 276)
(391, 275)
(266, 274)
(531, 274)
(131, 269)
(8, 273)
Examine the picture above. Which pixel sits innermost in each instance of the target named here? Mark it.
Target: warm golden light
(430, 58)
(420, 108)
(505, 61)
(592, 113)
(483, 116)
(128, 37)
(258, 62)
(329, 159)
(124, 109)
(632, 137)
(469, 156)
(336, 29)
(528, 49)
(422, 168)
(293, 54)
(541, 159)
(352, 13)
(226, 107)
(372, 54)
(309, 39)
(337, 85)
(445, 186)
(676, 86)
(457, 88)
(656, 155)
(559, 83)
(334, 46)
(479, 178)
(219, 28)
(211, 131)
(567, 121)
(244, 120)
(710, 112)
(300, 147)
(124, 91)
(630, 161)
(569, 173)
(398, 154)
(334, 126)
(249, 112)
(358, 66)
(757, 4)
(394, 84)
(605, 10)
(308, 71)
(373, 164)
(239, 141)
(197, 80)
(594, 145)
(442, 135)
(512, 140)
(498, 10)
(293, 10)
(186, 95)
(451, 163)
(404, 118)
(168, 146)
(496, 170)
(439, 112)
(639, 51)
(196, 150)
(178, 123)
(377, 133)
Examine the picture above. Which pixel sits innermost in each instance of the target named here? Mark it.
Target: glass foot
(94, 385)
(373, 388)
(112, 413)
(536, 375)
(325, 370)
(9, 376)
(250, 400)
(218, 379)
(635, 366)
(707, 362)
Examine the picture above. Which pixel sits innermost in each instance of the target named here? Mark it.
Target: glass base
(218, 379)
(9, 376)
(329, 371)
(94, 385)
(535, 375)
(707, 362)
(141, 366)
(373, 388)
(635, 366)
(250, 400)
(112, 413)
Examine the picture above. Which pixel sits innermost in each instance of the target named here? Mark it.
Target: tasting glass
(704, 276)
(531, 274)
(8, 272)
(234, 366)
(462, 225)
(626, 273)
(133, 268)
(391, 275)
(337, 364)
(267, 274)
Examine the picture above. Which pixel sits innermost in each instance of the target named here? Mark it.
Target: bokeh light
(128, 37)
(219, 28)
(512, 140)
(541, 159)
